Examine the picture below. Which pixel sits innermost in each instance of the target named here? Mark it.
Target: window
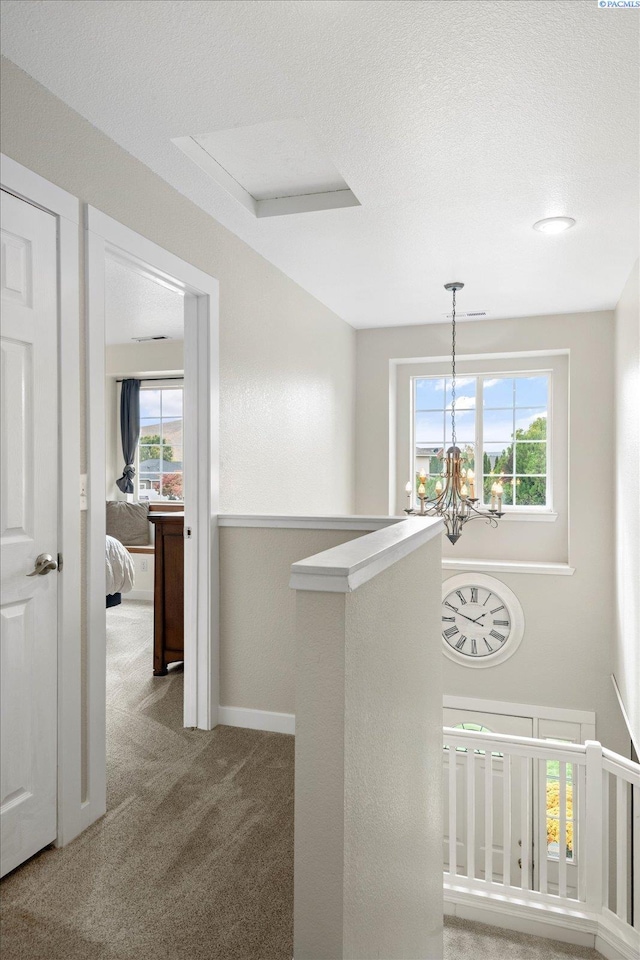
(160, 446)
(501, 428)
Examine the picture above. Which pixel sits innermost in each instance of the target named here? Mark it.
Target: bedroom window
(502, 427)
(160, 446)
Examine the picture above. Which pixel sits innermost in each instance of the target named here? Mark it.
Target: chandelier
(455, 500)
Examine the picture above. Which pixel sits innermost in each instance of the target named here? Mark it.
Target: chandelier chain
(455, 500)
(453, 372)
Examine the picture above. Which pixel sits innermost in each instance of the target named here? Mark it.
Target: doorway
(111, 246)
(144, 551)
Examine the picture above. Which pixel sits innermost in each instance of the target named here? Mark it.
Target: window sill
(509, 566)
(528, 516)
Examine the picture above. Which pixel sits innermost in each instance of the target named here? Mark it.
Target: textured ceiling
(456, 124)
(136, 306)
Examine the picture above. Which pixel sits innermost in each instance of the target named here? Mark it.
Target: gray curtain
(129, 430)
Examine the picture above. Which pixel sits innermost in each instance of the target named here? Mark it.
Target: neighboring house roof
(160, 466)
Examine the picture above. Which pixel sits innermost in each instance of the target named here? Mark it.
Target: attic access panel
(272, 168)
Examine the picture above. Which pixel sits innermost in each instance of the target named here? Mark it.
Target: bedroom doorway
(153, 460)
(145, 481)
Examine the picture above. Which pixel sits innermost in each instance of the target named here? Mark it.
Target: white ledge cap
(346, 567)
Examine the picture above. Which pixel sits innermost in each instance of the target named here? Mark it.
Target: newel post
(368, 801)
(594, 826)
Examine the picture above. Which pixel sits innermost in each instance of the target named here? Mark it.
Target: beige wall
(144, 359)
(564, 659)
(626, 657)
(257, 612)
(286, 426)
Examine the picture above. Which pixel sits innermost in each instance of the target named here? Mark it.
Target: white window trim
(401, 441)
(158, 385)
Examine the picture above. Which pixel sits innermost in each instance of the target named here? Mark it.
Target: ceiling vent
(272, 169)
(145, 339)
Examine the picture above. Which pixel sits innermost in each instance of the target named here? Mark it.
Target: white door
(28, 528)
(494, 723)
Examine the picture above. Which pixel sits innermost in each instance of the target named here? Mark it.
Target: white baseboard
(583, 930)
(257, 719)
(611, 947)
(138, 595)
(496, 915)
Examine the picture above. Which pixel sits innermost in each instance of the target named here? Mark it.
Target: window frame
(170, 383)
(478, 442)
(550, 541)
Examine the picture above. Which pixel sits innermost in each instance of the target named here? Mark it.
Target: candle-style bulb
(421, 490)
(408, 487)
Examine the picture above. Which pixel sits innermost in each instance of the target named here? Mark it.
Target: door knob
(44, 564)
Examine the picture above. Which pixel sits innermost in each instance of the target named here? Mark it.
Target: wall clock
(482, 620)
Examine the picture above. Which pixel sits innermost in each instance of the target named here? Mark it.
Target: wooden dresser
(168, 602)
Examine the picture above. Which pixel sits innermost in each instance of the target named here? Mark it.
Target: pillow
(128, 522)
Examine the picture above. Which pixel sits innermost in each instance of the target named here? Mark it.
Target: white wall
(287, 362)
(626, 648)
(143, 586)
(368, 800)
(564, 658)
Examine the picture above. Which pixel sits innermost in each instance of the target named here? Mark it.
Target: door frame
(34, 189)
(106, 237)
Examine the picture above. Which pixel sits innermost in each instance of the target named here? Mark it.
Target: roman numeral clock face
(482, 620)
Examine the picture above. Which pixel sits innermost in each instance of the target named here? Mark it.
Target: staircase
(540, 836)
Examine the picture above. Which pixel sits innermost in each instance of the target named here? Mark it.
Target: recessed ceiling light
(554, 224)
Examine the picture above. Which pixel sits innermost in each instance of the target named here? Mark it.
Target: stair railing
(544, 828)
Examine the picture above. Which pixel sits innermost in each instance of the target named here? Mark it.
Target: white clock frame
(512, 604)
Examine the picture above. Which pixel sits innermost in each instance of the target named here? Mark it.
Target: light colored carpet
(194, 858)
(475, 941)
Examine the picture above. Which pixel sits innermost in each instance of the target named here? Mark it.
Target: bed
(120, 572)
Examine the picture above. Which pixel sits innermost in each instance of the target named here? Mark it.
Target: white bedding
(120, 569)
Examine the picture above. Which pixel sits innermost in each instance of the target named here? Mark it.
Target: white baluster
(488, 815)
(562, 835)
(593, 847)
(542, 825)
(636, 854)
(579, 799)
(525, 820)
(621, 848)
(606, 828)
(453, 811)
(471, 814)
(506, 819)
